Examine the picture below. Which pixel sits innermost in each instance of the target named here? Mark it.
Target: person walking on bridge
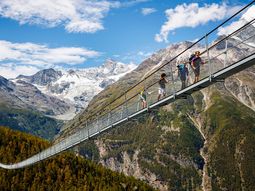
(195, 64)
(162, 86)
(142, 96)
(183, 73)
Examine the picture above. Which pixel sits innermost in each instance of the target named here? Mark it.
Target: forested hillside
(28, 121)
(64, 172)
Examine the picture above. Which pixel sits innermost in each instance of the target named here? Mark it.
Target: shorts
(197, 71)
(161, 91)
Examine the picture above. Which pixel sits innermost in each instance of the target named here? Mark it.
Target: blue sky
(84, 33)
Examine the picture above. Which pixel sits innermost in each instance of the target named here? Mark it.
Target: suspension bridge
(126, 106)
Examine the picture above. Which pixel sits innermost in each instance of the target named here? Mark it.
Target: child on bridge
(162, 86)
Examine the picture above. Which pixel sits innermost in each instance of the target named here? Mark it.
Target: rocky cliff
(21, 94)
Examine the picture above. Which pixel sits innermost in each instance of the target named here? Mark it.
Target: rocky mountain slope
(43, 77)
(202, 143)
(77, 87)
(23, 107)
(21, 94)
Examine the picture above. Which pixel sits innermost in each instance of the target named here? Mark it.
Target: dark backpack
(191, 58)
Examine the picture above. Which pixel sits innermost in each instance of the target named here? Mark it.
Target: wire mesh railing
(216, 55)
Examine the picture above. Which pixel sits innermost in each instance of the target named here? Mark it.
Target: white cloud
(131, 3)
(31, 57)
(13, 70)
(135, 57)
(192, 15)
(38, 54)
(148, 11)
(194, 40)
(75, 15)
(246, 17)
(144, 54)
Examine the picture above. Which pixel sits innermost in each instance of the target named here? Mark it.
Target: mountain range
(75, 87)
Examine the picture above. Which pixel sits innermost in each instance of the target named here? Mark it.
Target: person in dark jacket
(195, 64)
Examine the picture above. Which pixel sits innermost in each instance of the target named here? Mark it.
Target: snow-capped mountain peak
(78, 87)
(42, 77)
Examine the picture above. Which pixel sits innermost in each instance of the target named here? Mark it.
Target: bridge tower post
(208, 57)
(226, 53)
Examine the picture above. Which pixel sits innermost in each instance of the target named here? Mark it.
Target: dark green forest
(29, 121)
(63, 172)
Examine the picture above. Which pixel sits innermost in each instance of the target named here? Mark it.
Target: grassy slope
(64, 172)
(29, 121)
